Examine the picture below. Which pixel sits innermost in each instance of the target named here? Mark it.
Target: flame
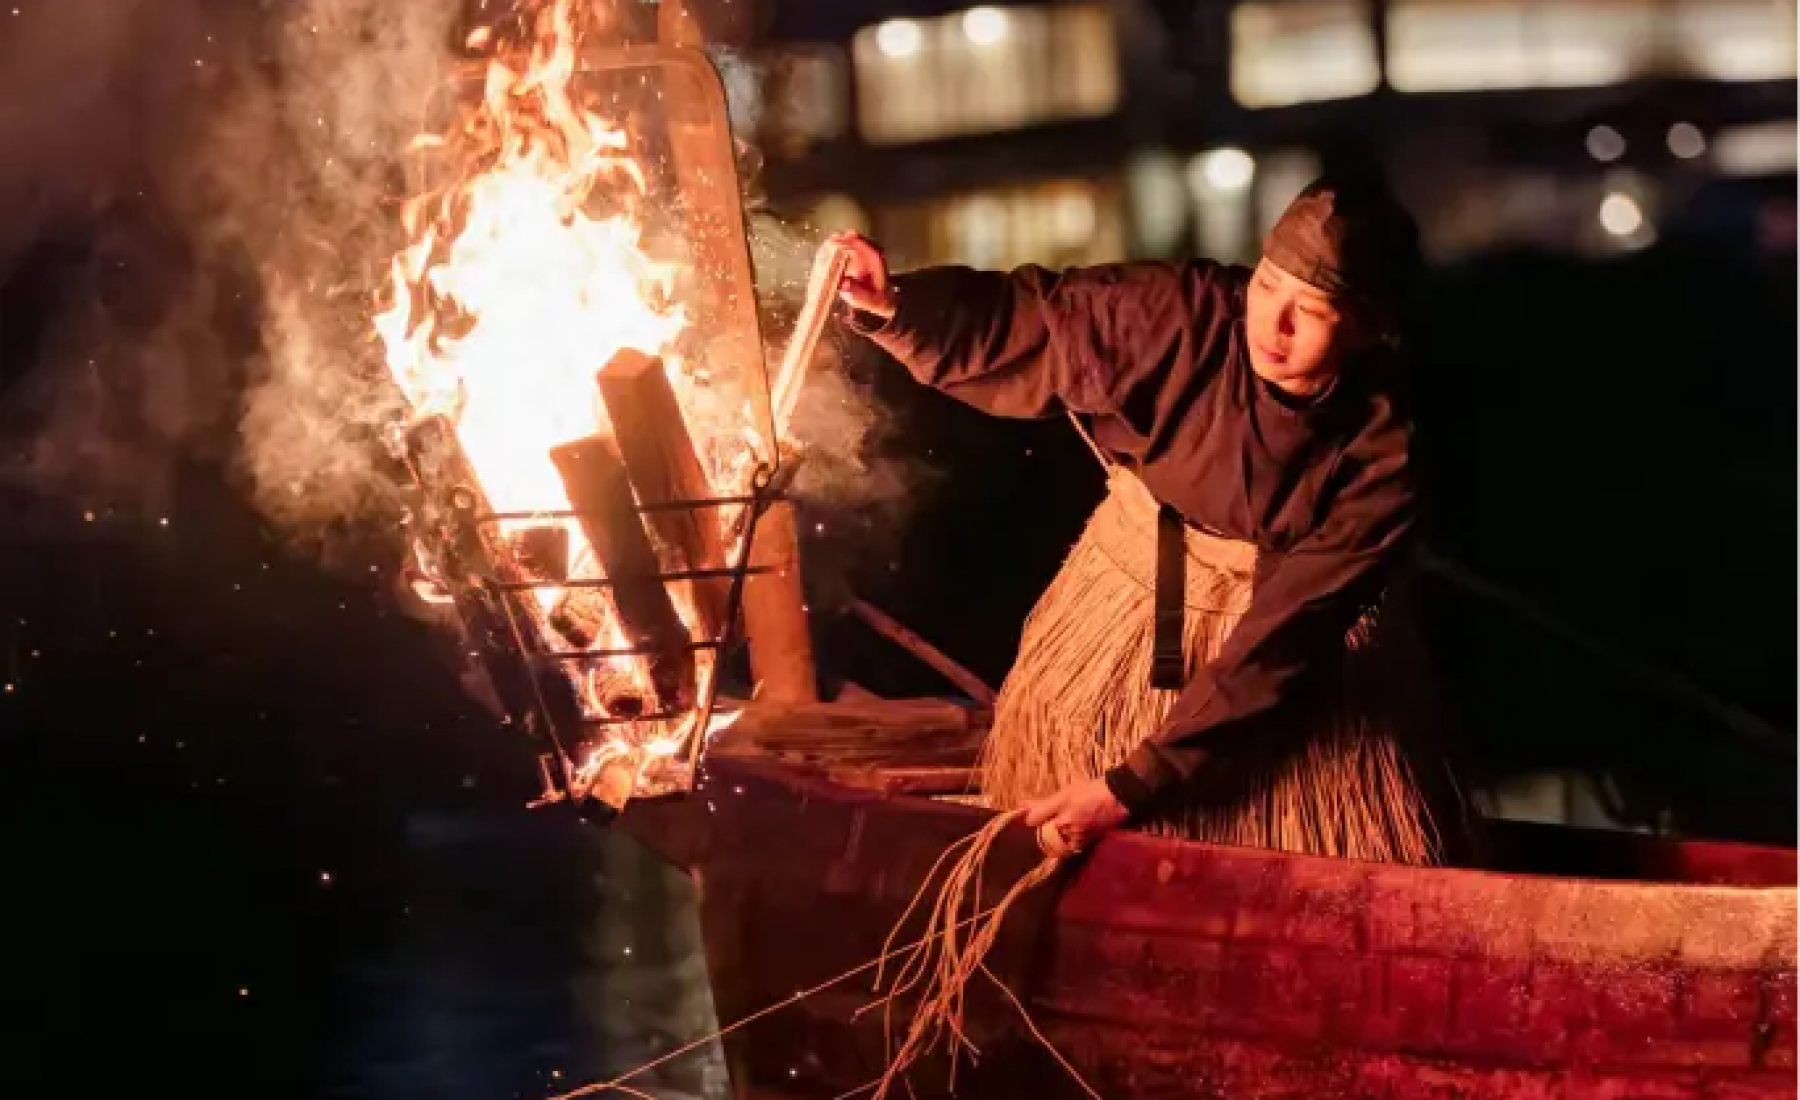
(512, 293)
(518, 282)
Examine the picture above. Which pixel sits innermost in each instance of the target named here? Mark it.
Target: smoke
(104, 364)
(301, 170)
(230, 175)
(210, 195)
(840, 425)
(842, 428)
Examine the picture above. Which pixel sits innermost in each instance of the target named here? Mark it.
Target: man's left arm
(1302, 607)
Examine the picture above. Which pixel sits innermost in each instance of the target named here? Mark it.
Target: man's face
(1295, 330)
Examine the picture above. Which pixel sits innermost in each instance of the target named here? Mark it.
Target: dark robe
(1152, 358)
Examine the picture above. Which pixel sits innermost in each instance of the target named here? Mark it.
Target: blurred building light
(1224, 214)
(984, 70)
(1620, 215)
(839, 214)
(1159, 203)
(1059, 224)
(1755, 149)
(1469, 45)
(899, 38)
(1073, 218)
(1475, 45)
(1302, 51)
(1686, 141)
(983, 227)
(1223, 171)
(1735, 39)
(1605, 144)
(984, 26)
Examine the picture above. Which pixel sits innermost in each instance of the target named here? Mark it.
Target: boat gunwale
(1184, 888)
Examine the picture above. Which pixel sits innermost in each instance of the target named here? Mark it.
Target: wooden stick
(595, 478)
(664, 467)
(781, 654)
(879, 621)
(821, 290)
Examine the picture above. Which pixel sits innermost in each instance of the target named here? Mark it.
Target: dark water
(534, 954)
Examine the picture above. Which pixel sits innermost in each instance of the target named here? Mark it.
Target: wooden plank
(909, 780)
(899, 731)
(664, 467)
(599, 489)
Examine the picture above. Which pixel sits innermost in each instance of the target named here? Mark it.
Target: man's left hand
(1082, 812)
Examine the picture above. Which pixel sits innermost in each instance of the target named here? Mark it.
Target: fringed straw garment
(1354, 775)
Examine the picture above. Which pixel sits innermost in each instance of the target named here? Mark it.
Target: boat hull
(1165, 969)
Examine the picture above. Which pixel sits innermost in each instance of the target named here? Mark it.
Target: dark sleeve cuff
(880, 328)
(864, 323)
(1143, 782)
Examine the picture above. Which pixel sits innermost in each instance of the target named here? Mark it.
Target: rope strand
(945, 976)
(940, 1008)
(616, 1084)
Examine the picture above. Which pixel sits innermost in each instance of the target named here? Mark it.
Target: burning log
(665, 468)
(543, 552)
(599, 490)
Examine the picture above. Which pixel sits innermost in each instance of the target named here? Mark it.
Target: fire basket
(598, 560)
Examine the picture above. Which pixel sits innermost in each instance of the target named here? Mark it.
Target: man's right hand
(865, 285)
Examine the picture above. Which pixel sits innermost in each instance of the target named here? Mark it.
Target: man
(1194, 667)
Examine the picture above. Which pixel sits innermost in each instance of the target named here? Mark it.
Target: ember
(604, 426)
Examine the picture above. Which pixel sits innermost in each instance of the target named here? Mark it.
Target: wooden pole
(664, 466)
(594, 476)
(781, 655)
(885, 625)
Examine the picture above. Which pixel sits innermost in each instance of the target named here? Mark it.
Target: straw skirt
(1355, 773)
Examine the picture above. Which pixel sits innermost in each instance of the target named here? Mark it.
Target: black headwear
(1349, 238)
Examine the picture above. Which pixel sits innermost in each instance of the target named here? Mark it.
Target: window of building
(1755, 149)
(1160, 214)
(1471, 45)
(1287, 53)
(1058, 224)
(1735, 39)
(1221, 185)
(984, 69)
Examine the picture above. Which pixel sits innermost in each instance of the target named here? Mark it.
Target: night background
(259, 841)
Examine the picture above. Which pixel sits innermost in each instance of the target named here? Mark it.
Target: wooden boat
(1589, 964)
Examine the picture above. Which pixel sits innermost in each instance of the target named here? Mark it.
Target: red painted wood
(1173, 969)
